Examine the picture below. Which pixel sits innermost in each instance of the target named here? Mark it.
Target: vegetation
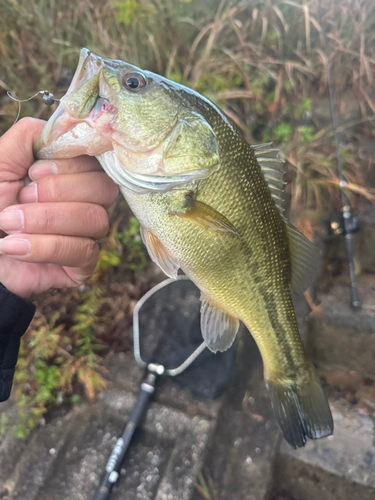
(261, 61)
(60, 360)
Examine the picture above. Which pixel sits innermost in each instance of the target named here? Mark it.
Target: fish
(209, 204)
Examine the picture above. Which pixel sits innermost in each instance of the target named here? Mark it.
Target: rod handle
(355, 300)
(147, 389)
(110, 476)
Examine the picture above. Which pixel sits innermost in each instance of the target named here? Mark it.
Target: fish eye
(134, 81)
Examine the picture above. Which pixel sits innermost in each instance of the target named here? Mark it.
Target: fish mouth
(83, 120)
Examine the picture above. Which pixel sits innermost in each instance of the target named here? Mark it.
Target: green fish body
(209, 204)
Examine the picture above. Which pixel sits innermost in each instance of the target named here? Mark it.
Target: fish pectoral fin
(205, 217)
(304, 259)
(159, 254)
(218, 327)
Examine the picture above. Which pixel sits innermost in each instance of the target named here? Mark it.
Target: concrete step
(11, 451)
(340, 466)
(341, 336)
(239, 461)
(65, 459)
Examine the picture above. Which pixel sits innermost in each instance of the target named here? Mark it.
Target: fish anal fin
(159, 254)
(304, 259)
(301, 408)
(218, 327)
(205, 217)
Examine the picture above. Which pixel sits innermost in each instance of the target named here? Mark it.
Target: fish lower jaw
(76, 140)
(65, 136)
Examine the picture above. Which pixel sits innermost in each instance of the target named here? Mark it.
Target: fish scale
(208, 203)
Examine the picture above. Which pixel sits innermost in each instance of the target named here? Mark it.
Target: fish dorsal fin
(218, 327)
(159, 254)
(273, 171)
(303, 255)
(304, 259)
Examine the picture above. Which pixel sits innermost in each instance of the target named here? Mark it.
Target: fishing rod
(349, 222)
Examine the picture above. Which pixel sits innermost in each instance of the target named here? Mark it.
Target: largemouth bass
(208, 203)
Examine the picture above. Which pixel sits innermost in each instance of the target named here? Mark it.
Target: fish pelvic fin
(301, 408)
(159, 254)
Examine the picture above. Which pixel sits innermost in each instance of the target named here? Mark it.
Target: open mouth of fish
(73, 129)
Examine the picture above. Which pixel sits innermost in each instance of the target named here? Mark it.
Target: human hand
(52, 224)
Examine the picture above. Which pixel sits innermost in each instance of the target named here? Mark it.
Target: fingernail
(29, 194)
(12, 220)
(15, 246)
(41, 169)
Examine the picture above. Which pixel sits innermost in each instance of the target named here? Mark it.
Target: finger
(70, 251)
(8, 192)
(80, 164)
(67, 219)
(16, 147)
(78, 274)
(89, 187)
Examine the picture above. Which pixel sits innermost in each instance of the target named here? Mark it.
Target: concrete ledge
(349, 453)
(342, 337)
(65, 459)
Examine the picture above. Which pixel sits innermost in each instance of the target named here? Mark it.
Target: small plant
(282, 132)
(130, 11)
(303, 107)
(3, 423)
(306, 133)
(133, 246)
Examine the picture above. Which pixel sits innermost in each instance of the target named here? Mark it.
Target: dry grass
(260, 61)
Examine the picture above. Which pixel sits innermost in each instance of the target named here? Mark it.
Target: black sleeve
(15, 316)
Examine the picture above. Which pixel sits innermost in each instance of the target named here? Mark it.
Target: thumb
(16, 149)
(16, 157)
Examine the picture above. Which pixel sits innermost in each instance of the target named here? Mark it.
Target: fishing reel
(346, 224)
(342, 224)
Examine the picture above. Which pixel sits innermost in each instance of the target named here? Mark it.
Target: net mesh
(169, 330)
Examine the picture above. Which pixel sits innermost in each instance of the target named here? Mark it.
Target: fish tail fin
(300, 407)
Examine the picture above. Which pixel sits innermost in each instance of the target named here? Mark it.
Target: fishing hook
(48, 99)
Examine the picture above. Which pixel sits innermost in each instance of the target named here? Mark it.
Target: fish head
(133, 121)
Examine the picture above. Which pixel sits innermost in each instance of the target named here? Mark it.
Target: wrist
(16, 314)
(16, 290)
